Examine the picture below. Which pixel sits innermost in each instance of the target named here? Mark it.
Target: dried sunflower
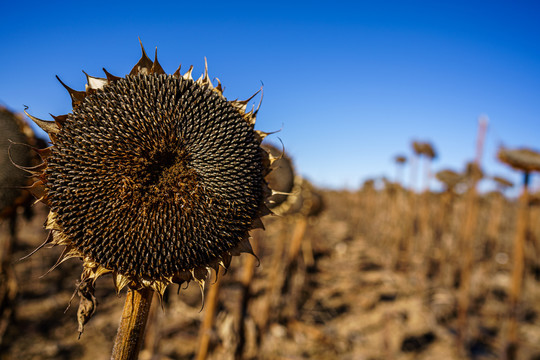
(281, 180)
(16, 137)
(400, 159)
(523, 159)
(502, 182)
(449, 178)
(424, 148)
(153, 178)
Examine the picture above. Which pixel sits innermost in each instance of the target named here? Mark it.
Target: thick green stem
(130, 335)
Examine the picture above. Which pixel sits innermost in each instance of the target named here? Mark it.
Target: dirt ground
(353, 292)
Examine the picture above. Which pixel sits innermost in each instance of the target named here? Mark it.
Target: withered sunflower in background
(153, 178)
(16, 139)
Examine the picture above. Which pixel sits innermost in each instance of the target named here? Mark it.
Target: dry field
(379, 274)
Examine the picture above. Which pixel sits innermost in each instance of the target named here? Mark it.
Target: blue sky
(349, 84)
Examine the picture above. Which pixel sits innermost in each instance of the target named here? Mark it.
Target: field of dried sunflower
(373, 279)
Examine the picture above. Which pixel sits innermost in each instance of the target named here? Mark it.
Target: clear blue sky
(350, 84)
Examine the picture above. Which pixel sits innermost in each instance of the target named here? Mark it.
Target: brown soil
(377, 277)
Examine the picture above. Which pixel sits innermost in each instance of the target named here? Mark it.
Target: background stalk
(517, 272)
(242, 311)
(466, 248)
(467, 239)
(208, 321)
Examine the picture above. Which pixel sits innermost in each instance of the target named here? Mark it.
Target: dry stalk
(247, 277)
(467, 244)
(298, 236)
(526, 161)
(516, 284)
(419, 203)
(411, 244)
(289, 308)
(409, 232)
(395, 217)
(467, 250)
(274, 279)
(494, 225)
(205, 331)
(153, 332)
(307, 253)
(422, 239)
(130, 335)
(437, 251)
(8, 281)
(280, 269)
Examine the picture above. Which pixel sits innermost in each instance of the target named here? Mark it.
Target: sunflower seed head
(153, 178)
(523, 159)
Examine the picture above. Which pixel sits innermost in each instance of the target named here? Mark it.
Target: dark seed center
(162, 176)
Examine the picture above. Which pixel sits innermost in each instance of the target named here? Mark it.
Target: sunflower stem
(130, 335)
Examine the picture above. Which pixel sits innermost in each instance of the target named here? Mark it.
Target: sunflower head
(523, 159)
(502, 183)
(305, 200)
(153, 178)
(449, 178)
(473, 172)
(400, 159)
(291, 194)
(281, 180)
(424, 148)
